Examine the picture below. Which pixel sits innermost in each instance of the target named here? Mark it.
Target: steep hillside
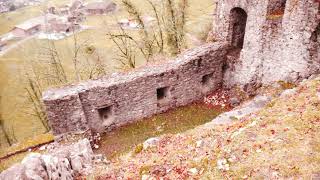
(280, 141)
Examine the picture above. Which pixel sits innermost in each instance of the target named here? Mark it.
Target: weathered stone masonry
(279, 36)
(123, 98)
(258, 42)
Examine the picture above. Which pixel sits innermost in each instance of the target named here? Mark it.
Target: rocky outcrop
(62, 162)
(245, 109)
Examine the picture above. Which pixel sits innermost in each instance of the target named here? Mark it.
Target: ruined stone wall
(276, 46)
(280, 42)
(125, 97)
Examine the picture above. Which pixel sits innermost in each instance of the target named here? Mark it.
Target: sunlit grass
(8, 162)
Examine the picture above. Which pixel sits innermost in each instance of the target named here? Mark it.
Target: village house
(32, 26)
(62, 25)
(98, 8)
(52, 10)
(63, 10)
(74, 12)
(76, 5)
(76, 17)
(131, 23)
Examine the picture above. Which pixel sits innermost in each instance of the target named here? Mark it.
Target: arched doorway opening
(238, 21)
(315, 45)
(236, 33)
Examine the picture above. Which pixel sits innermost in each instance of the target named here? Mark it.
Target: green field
(12, 82)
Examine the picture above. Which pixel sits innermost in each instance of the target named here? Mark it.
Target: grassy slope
(280, 141)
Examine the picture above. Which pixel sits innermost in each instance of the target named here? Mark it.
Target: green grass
(40, 139)
(179, 120)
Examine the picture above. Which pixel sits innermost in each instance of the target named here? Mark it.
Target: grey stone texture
(63, 162)
(124, 97)
(258, 42)
(252, 106)
(276, 46)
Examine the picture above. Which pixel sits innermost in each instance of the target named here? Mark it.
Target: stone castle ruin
(280, 41)
(257, 42)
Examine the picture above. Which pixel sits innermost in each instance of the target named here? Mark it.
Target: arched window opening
(238, 21)
(276, 9)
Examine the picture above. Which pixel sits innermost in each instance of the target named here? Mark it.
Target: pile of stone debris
(61, 162)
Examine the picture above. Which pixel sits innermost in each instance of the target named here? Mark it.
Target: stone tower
(270, 40)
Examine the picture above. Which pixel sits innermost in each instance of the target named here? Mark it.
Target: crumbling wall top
(123, 77)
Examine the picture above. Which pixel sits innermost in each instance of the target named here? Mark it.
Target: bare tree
(34, 94)
(146, 39)
(169, 33)
(93, 66)
(54, 72)
(175, 17)
(160, 42)
(124, 44)
(76, 49)
(49, 71)
(8, 135)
